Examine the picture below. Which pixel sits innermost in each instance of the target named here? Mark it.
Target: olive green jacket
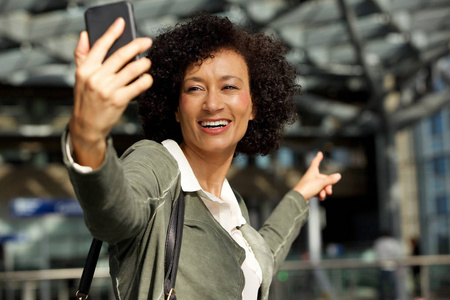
(127, 203)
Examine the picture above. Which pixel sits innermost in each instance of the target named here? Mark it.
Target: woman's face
(215, 103)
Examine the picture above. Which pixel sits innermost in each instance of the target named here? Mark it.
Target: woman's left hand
(313, 183)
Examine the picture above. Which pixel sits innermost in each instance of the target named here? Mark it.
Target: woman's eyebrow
(226, 77)
(193, 78)
(223, 78)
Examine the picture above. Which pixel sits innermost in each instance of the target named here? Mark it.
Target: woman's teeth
(212, 124)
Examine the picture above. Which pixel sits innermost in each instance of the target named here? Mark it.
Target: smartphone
(99, 18)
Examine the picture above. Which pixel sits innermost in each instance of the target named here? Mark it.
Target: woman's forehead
(223, 63)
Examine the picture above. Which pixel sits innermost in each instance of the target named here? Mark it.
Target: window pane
(439, 166)
(436, 124)
(441, 204)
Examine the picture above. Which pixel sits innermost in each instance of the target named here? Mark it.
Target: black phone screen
(99, 18)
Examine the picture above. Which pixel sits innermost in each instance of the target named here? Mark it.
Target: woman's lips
(214, 126)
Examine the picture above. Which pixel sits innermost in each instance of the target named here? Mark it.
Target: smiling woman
(212, 89)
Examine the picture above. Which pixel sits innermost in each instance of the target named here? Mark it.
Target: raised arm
(103, 90)
(284, 224)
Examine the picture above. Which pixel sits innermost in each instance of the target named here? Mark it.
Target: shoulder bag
(171, 257)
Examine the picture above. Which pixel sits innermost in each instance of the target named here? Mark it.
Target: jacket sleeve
(119, 198)
(283, 226)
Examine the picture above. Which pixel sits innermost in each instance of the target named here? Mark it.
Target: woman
(213, 90)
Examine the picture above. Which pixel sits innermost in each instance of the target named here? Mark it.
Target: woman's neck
(210, 169)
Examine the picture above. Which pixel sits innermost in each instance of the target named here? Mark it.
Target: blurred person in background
(388, 250)
(212, 90)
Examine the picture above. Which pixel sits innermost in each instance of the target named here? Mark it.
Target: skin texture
(219, 88)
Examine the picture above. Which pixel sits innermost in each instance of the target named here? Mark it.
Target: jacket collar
(189, 182)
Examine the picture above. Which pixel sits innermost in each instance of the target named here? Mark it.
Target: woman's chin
(218, 146)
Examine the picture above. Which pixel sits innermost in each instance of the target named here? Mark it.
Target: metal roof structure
(357, 60)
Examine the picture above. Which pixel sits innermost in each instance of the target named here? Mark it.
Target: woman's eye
(193, 89)
(230, 87)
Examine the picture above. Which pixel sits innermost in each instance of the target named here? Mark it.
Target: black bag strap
(173, 246)
(171, 257)
(89, 270)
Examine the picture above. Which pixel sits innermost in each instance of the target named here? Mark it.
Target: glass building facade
(432, 136)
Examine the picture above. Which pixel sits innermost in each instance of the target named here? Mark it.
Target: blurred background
(375, 77)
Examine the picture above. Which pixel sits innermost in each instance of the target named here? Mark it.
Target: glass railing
(417, 277)
(329, 279)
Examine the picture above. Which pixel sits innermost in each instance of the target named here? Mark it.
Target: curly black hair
(272, 79)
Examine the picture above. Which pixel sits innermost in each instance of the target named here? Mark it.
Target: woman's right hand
(103, 90)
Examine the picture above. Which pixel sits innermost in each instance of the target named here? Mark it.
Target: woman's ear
(253, 113)
(176, 115)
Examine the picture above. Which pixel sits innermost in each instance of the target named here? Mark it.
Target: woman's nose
(213, 102)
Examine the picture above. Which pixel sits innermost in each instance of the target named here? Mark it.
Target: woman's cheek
(246, 103)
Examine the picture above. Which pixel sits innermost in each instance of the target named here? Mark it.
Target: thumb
(82, 48)
(333, 178)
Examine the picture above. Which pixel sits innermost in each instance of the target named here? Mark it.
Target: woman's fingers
(322, 195)
(121, 88)
(130, 72)
(329, 189)
(131, 91)
(329, 181)
(104, 43)
(315, 163)
(119, 69)
(112, 75)
(96, 74)
(103, 89)
(125, 54)
(106, 79)
(89, 60)
(313, 183)
(82, 49)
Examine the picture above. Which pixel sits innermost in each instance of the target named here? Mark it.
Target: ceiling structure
(357, 60)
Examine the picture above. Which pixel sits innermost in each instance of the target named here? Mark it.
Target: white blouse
(227, 212)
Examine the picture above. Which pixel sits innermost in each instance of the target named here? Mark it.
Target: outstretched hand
(103, 90)
(313, 183)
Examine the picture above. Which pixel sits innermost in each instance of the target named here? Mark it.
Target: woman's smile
(214, 126)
